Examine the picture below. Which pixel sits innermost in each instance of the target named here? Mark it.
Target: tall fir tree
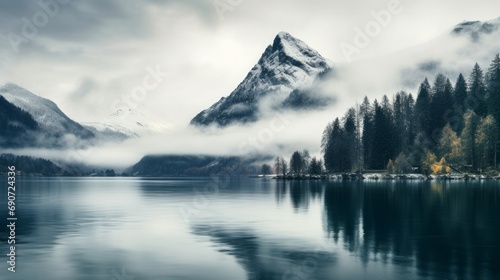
(403, 107)
(332, 146)
(423, 108)
(349, 140)
(477, 91)
(327, 146)
(367, 132)
(460, 97)
(493, 85)
(468, 138)
(441, 102)
(296, 163)
(486, 137)
(383, 148)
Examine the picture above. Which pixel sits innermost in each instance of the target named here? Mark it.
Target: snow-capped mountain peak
(286, 65)
(298, 50)
(131, 123)
(475, 29)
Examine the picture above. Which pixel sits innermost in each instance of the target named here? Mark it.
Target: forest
(448, 127)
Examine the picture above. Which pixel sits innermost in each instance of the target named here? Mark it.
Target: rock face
(287, 65)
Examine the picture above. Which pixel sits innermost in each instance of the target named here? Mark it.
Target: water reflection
(445, 230)
(256, 229)
(269, 259)
(301, 192)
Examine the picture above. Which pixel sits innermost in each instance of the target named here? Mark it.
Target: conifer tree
(423, 108)
(493, 85)
(468, 138)
(477, 91)
(460, 97)
(486, 137)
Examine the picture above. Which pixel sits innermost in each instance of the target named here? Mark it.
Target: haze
(91, 54)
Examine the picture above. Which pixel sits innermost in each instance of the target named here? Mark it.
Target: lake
(242, 228)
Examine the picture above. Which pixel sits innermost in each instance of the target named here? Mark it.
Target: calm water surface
(147, 229)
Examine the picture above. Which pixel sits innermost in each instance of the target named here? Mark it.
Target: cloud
(94, 52)
(87, 86)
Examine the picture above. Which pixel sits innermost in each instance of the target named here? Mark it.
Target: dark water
(213, 228)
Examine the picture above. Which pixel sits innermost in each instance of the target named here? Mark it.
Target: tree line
(448, 126)
(300, 163)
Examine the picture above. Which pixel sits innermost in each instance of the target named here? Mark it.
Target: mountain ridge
(54, 127)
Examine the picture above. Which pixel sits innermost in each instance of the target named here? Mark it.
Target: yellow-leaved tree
(432, 166)
(450, 147)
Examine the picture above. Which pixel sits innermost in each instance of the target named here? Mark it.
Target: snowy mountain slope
(128, 124)
(17, 127)
(475, 29)
(53, 123)
(286, 65)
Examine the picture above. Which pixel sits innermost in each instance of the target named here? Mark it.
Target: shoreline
(388, 177)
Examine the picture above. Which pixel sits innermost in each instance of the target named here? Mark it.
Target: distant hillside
(179, 165)
(29, 165)
(16, 125)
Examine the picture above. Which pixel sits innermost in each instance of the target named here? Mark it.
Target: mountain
(195, 165)
(288, 64)
(28, 120)
(130, 123)
(474, 29)
(17, 126)
(52, 129)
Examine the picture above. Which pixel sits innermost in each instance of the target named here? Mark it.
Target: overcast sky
(90, 53)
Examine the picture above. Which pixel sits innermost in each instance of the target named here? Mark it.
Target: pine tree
(460, 96)
(403, 106)
(266, 169)
(296, 163)
(280, 166)
(468, 138)
(409, 107)
(441, 102)
(316, 167)
(402, 164)
(277, 165)
(423, 108)
(306, 158)
(383, 148)
(486, 137)
(327, 146)
(332, 146)
(399, 121)
(367, 132)
(284, 167)
(349, 140)
(477, 91)
(493, 85)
